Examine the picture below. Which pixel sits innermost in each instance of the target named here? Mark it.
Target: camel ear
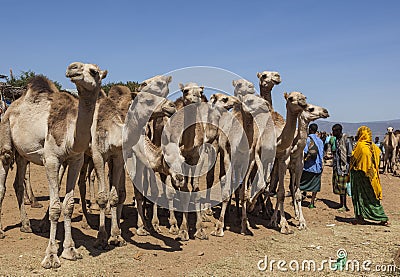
(169, 79)
(181, 86)
(259, 75)
(286, 95)
(234, 83)
(103, 74)
(142, 85)
(213, 99)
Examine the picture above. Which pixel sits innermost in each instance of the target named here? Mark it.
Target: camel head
(243, 87)
(269, 78)
(192, 93)
(390, 130)
(157, 85)
(223, 101)
(313, 112)
(153, 106)
(86, 76)
(254, 104)
(295, 102)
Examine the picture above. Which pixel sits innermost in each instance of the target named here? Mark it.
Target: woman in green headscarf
(365, 183)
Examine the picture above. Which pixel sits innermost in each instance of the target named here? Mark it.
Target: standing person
(312, 171)
(341, 148)
(365, 183)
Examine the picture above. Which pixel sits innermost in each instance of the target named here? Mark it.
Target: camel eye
(225, 100)
(264, 76)
(311, 109)
(93, 72)
(185, 91)
(290, 98)
(149, 102)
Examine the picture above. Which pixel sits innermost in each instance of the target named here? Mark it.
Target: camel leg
(174, 230)
(19, 191)
(117, 198)
(280, 201)
(226, 193)
(141, 231)
(244, 199)
(185, 198)
(52, 168)
(102, 200)
(70, 252)
(29, 197)
(91, 176)
(155, 182)
(4, 167)
(82, 191)
(200, 232)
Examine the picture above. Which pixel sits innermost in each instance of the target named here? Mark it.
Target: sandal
(385, 223)
(311, 206)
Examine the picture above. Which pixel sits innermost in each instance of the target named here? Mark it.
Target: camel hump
(40, 84)
(117, 92)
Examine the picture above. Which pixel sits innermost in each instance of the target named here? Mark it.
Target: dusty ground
(234, 254)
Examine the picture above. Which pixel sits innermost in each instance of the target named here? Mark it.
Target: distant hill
(378, 128)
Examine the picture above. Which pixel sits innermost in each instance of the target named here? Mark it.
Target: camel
(390, 143)
(190, 143)
(267, 81)
(295, 104)
(219, 105)
(240, 143)
(142, 154)
(106, 146)
(296, 162)
(63, 137)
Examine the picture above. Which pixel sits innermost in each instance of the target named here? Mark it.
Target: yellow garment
(365, 157)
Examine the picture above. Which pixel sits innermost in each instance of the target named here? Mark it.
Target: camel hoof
(218, 232)
(246, 232)
(71, 254)
(156, 227)
(142, 232)
(201, 234)
(36, 205)
(2, 235)
(286, 231)
(302, 226)
(26, 228)
(174, 230)
(183, 235)
(51, 261)
(117, 241)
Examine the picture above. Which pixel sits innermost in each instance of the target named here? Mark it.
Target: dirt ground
(235, 254)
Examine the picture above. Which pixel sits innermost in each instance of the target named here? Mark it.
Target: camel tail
(6, 146)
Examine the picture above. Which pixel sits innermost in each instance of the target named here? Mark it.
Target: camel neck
(288, 131)
(86, 109)
(265, 92)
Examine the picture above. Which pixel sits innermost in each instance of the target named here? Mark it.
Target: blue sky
(343, 55)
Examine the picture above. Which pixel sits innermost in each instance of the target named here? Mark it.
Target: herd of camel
(132, 131)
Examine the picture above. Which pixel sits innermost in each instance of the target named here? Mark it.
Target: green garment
(364, 199)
